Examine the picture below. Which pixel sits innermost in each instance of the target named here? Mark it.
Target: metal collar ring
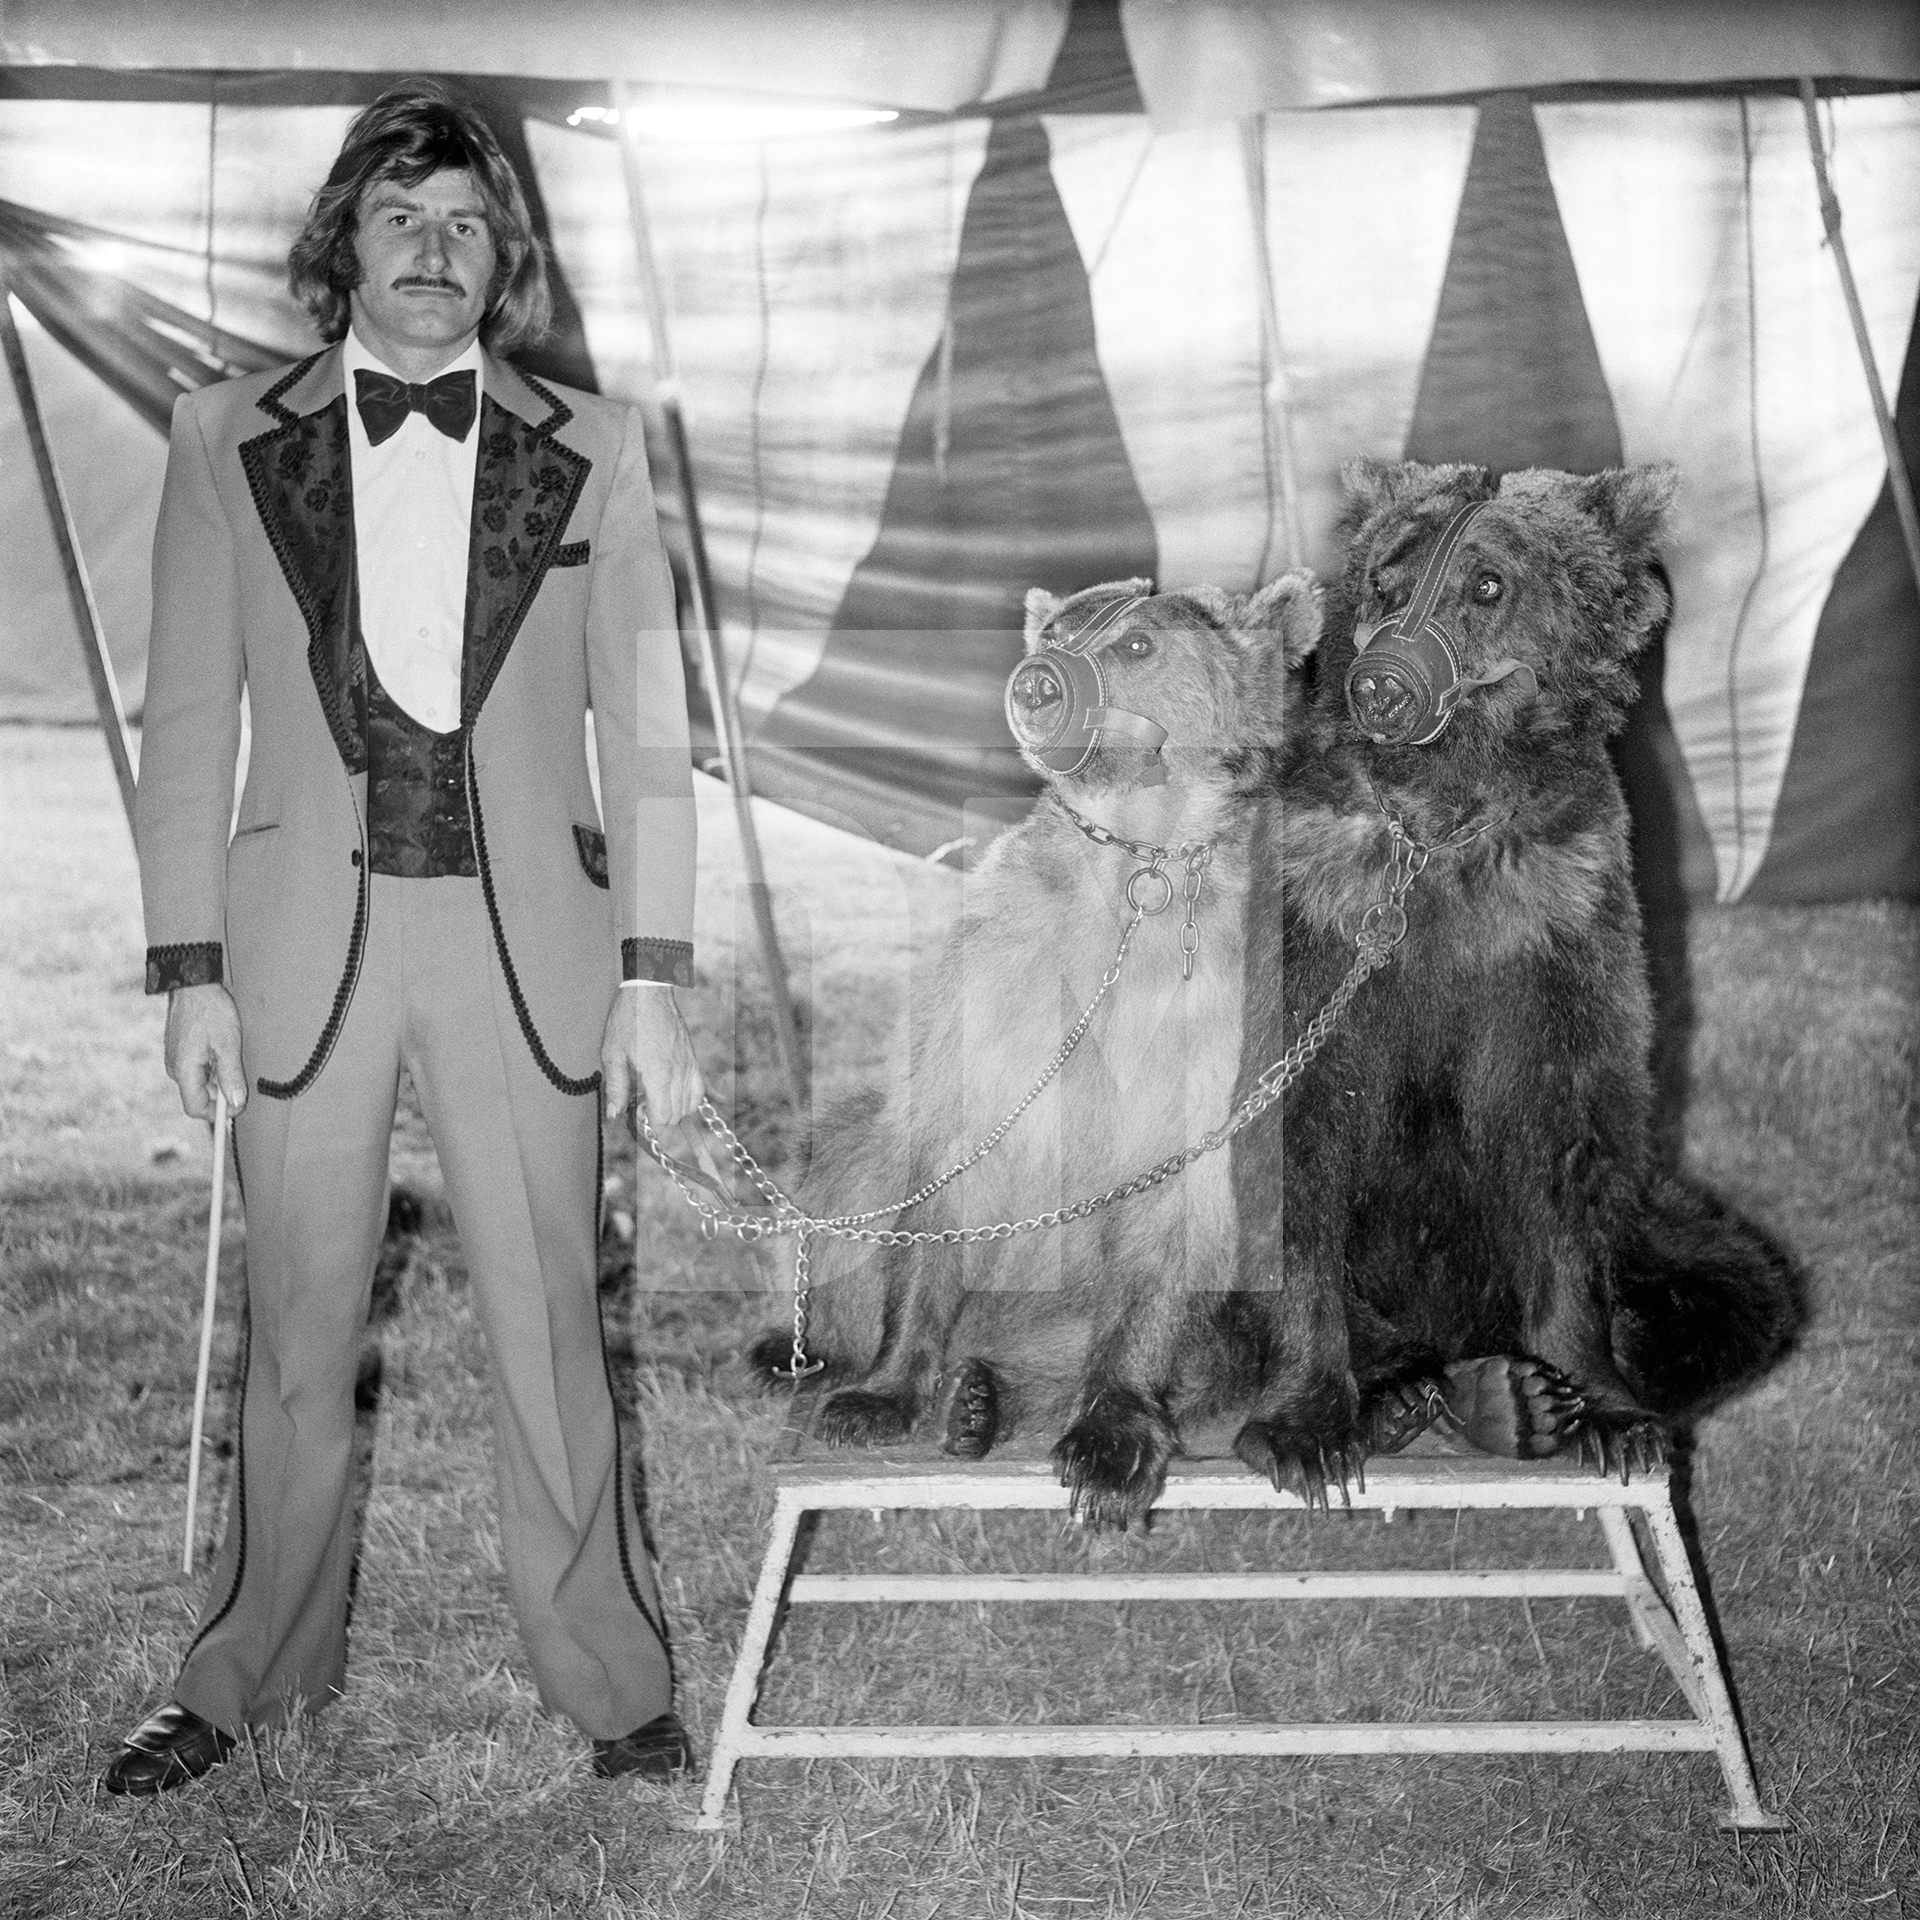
(1154, 872)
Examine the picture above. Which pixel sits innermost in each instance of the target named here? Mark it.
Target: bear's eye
(1136, 646)
(1488, 588)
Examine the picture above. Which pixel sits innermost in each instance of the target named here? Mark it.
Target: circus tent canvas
(1054, 325)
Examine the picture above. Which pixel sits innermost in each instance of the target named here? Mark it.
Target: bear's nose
(1036, 689)
(1383, 704)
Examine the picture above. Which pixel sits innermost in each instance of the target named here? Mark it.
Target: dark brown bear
(1464, 1167)
(1096, 1305)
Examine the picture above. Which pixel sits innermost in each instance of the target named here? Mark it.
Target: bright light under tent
(690, 122)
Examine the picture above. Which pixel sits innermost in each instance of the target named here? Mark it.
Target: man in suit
(423, 568)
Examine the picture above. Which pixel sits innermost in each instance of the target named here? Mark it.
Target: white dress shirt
(412, 522)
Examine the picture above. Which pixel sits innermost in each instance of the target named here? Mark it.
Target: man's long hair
(410, 132)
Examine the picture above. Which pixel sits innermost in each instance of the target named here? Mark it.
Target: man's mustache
(439, 283)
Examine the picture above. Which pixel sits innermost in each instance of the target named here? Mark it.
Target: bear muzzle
(1056, 705)
(1404, 688)
(1405, 681)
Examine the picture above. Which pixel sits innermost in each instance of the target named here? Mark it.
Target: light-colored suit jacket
(569, 606)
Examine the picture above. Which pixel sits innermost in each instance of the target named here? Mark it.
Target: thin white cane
(206, 1317)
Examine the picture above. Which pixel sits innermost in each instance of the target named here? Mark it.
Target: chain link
(799, 1368)
(1196, 860)
(1140, 849)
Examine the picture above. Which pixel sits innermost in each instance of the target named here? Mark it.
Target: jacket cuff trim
(189, 963)
(670, 961)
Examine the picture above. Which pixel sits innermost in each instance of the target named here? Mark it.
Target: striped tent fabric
(1065, 324)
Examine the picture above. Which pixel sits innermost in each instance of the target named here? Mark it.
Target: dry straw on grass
(438, 1786)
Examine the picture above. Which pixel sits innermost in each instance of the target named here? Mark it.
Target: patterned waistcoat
(417, 822)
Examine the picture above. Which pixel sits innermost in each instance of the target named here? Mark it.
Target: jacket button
(354, 856)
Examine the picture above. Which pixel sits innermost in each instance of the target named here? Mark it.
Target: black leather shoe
(656, 1751)
(167, 1749)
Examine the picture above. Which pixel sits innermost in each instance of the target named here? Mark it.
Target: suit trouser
(521, 1163)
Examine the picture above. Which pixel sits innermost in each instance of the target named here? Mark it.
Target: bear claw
(973, 1415)
(1302, 1463)
(1625, 1444)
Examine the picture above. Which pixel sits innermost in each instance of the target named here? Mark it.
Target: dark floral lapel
(524, 488)
(301, 477)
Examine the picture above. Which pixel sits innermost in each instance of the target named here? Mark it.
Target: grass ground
(438, 1787)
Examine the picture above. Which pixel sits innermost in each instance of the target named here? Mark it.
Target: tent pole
(1276, 415)
(1830, 218)
(86, 613)
(720, 690)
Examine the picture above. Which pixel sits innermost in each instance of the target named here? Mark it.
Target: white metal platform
(1674, 1627)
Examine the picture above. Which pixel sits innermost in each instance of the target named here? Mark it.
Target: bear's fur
(1041, 922)
(1464, 1168)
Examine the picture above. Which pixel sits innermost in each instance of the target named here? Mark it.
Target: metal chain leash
(1194, 856)
(1196, 865)
(1140, 849)
(1382, 928)
(986, 1144)
(799, 1367)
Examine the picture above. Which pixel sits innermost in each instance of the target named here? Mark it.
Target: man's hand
(203, 1048)
(647, 1055)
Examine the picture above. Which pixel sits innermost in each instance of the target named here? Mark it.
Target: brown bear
(1137, 708)
(1464, 1168)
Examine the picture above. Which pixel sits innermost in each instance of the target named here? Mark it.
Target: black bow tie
(385, 402)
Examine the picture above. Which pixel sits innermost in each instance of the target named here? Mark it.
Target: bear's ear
(1284, 614)
(1220, 606)
(1629, 504)
(1041, 607)
(1373, 484)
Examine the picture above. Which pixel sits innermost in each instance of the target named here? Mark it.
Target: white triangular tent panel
(1726, 343)
(586, 200)
(1360, 217)
(1162, 226)
(806, 285)
(1360, 212)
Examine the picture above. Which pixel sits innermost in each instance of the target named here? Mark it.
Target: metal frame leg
(750, 1664)
(1708, 1692)
(1652, 1621)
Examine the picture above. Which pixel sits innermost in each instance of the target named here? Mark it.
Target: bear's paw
(1113, 1460)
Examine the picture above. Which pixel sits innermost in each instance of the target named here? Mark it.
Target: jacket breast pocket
(575, 553)
(591, 845)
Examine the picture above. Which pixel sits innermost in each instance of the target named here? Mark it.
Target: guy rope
(1382, 928)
